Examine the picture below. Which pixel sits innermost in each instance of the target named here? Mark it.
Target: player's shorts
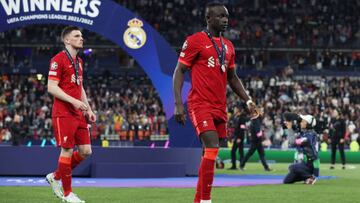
(70, 131)
(206, 121)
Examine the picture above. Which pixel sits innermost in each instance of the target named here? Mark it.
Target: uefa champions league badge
(134, 36)
(53, 66)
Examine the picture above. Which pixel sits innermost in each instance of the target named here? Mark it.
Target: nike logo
(208, 46)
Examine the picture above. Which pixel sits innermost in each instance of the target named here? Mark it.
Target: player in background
(71, 112)
(210, 59)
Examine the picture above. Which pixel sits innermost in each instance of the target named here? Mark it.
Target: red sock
(64, 169)
(207, 173)
(198, 187)
(57, 174)
(75, 160)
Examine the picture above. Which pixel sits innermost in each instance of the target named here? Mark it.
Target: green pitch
(345, 189)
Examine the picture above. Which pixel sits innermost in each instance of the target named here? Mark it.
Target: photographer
(306, 166)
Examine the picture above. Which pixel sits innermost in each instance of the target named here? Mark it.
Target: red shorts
(205, 121)
(70, 131)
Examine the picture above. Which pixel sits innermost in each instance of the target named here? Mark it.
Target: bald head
(216, 16)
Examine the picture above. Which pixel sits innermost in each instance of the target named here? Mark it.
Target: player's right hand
(179, 114)
(80, 105)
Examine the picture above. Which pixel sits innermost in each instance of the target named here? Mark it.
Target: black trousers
(255, 146)
(235, 147)
(334, 145)
(297, 172)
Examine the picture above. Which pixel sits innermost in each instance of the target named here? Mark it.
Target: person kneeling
(307, 163)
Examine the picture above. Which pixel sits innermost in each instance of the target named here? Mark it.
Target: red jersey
(208, 81)
(62, 70)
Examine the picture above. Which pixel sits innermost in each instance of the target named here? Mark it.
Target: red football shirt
(63, 71)
(208, 82)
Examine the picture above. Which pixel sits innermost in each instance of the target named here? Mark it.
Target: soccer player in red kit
(70, 112)
(210, 58)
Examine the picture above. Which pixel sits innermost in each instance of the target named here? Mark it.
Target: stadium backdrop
(119, 25)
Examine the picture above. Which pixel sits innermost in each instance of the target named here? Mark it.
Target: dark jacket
(240, 126)
(256, 135)
(338, 129)
(309, 149)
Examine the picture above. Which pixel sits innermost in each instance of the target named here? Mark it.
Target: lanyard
(75, 65)
(221, 55)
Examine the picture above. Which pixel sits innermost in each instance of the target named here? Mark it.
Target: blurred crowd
(253, 23)
(99, 60)
(128, 109)
(284, 23)
(318, 96)
(315, 60)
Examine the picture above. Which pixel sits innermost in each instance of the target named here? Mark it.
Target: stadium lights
(39, 76)
(88, 51)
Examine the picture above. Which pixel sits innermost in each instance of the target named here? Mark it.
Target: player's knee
(85, 153)
(66, 152)
(210, 139)
(211, 153)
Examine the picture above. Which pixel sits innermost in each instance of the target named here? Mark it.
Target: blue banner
(119, 25)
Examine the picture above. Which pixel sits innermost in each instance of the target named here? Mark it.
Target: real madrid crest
(134, 36)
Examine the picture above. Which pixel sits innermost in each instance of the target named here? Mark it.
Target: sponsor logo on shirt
(182, 54)
(211, 62)
(208, 46)
(73, 80)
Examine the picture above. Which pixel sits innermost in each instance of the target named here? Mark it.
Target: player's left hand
(90, 116)
(342, 140)
(251, 105)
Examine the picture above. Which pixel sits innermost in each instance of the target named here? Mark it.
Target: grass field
(344, 189)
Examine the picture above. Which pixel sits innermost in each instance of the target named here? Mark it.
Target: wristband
(248, 102)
